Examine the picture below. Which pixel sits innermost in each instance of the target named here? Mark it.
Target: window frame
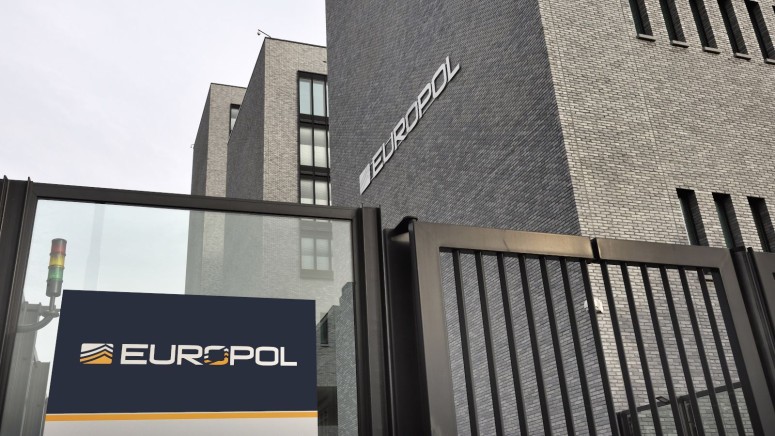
(313, 122)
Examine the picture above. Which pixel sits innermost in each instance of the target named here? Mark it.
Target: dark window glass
(640, 17)
(692, 218)
(233, 112)
(727, 220)
(701, 20)
(672, 20)
(732, 26)
(760, 29)
(324, 331)
(761, 218)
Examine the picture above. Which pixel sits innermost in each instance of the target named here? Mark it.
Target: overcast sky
(110, 94)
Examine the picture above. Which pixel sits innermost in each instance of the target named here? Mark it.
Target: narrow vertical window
(233, 112)
(314, 161)
(760, 29)
(733, 27)
(701, 20)
(727, 220)
(672, 21)
(761, 218)
(692, 219)
(641, 18)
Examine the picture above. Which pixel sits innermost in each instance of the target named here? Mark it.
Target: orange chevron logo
(97, 354)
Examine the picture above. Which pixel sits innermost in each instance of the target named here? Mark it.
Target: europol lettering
(211, 355)
(432, 90)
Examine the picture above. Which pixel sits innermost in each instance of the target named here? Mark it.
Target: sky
(110, 94)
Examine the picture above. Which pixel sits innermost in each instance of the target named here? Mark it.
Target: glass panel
(307, 253)
(153, 250)
(319, 97)
(323, 247)
(305, 146)
(321, 151)
(234, 111)
(305, 94)
(307, 196)
(321, 192)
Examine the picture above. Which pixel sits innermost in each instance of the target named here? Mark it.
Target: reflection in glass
(142, 249)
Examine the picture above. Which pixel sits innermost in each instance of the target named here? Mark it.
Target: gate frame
(17, 215)
(434, 377)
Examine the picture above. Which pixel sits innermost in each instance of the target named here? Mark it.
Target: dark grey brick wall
(637, 120)
(210, 147)
(246, 145)
(488, 152)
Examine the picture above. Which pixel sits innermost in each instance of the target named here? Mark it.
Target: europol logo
(97, 354)
(216, 356)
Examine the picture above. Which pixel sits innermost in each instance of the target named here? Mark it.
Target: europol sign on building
(131, 363)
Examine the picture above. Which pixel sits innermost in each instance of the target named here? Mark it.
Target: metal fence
(527, 333)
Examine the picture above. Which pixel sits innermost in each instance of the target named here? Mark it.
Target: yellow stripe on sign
(182, 415)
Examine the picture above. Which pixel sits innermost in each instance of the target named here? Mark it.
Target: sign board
(157, 364)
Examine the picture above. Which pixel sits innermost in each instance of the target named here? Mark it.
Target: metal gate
(507, 332)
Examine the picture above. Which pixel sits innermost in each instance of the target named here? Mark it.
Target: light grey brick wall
(641, 119)
(264, 150)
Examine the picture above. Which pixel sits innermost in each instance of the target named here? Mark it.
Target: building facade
(269, 141)
(638, 120)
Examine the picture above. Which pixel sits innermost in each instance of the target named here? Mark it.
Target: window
(672, 21)
(701, 20)
(324, 331)
(314, 190)
(233, 112)
(732, 26)
(727, 220)
(760, 29)
(314, 154)
(761, 218)
(640, 17)
(692, 218)
(316, 254)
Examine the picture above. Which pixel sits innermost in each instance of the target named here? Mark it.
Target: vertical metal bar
(681, 349)
(523, 430)
(701, 348)
(574, 328)
(662, 352)
(620, 348)
(464, 341)
(534, 344)
(721, 354)
(641, 349)
(558, 358)
(489, 346)
(609, 401)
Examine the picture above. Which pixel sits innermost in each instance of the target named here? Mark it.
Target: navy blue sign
(130, 353)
